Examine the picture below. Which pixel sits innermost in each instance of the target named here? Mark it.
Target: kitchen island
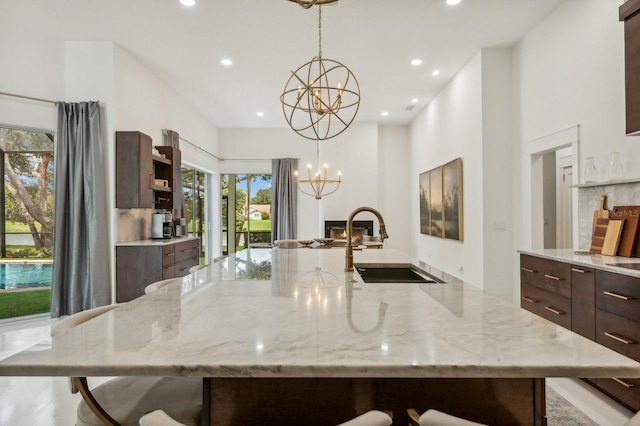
(287, 336)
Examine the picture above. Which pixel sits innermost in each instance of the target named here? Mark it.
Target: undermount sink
(394, 273)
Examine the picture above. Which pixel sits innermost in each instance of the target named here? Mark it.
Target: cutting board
(599, 231)
(612, 237)
(629, 238)
(601, 212)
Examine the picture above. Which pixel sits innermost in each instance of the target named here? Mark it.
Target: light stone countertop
(597, 261)
(295, 313)
(156, 241)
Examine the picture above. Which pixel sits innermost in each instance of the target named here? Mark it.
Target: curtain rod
(165, 131)
(31, 98)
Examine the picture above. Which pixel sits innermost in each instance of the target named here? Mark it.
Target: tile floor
(47, 401)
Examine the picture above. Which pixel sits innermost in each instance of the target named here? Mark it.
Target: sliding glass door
(246, 219)
(194, 188)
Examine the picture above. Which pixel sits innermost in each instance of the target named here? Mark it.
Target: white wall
(394, 184)
(354, 153)
(31, 66)
(570, 70)
(449, 127)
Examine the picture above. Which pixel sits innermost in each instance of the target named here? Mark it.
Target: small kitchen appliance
(161, 225)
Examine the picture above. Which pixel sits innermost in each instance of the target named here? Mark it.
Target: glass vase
(615, 167)
(590, 172)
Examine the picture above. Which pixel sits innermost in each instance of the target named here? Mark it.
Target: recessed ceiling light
(452, 2)
(435, 72)
(414, 100)
(188, 2)
(384, 114)
(226, 62)
(260, 114)
(416, 62)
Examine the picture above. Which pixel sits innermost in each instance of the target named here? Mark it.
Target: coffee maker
(161, 225)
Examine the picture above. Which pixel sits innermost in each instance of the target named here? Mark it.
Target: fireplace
(338, 229)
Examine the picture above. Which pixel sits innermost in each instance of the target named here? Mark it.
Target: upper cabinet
(629, 12)
(145, 180)
(134, 171)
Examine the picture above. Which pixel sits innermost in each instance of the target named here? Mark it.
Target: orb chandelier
(322, 91)
(317, 184)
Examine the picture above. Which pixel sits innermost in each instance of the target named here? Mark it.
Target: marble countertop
(597, 261)
(296, 313)
(156, 241)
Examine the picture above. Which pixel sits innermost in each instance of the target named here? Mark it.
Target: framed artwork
(425, 207)
(441, 201)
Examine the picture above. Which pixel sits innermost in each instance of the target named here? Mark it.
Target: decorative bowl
(325, 240)
(306, 243)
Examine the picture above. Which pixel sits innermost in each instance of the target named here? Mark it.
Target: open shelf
(161, 160)
(605, 183)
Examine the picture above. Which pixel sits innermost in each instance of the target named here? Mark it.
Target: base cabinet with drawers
(137, 266)
(600, 305)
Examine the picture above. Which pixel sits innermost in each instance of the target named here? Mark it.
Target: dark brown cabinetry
(602, 306)
(629, 12)
(618, 328)
(545, 289)
(144, 180)
(173, 175)
(134, 170)
(583, 302)
(137, 266)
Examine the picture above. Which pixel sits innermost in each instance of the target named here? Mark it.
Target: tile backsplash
(622, 194)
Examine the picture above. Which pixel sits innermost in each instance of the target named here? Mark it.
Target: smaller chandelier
(322, 91)
(317, 184)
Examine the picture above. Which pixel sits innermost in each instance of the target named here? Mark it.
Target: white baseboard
(600, 408)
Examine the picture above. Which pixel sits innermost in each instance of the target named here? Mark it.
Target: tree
(263, 196)
(29, 181)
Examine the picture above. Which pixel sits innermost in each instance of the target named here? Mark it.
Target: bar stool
(123, 400)
(370, 418)
(433, 417)
(158, 285)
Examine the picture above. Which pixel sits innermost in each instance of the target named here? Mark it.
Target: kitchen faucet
(383, 233)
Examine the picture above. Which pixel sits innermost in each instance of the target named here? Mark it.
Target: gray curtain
(80, 230)
(172, 139)
(284, 199)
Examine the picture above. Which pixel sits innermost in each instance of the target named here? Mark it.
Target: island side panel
(324, 401)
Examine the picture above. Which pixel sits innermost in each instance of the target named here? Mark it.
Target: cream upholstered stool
(370, 418)
(158, 285)
(123, 400)
(196, 268)
(433, 417)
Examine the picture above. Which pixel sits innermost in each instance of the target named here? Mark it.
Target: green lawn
(258, 225)
(20, 303)
(10, 226)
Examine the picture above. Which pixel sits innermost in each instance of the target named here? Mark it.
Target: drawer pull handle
(184, 251)
(619, 338)
(582, 271)
(619, 296)
(552, 277)
(170, 254)
(527, 299)
(623, 383)
(554, 310)
(169, 267)
(527, 270)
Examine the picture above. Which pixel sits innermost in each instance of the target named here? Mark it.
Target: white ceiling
(266, 39)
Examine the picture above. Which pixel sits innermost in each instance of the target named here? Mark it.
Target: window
(194, 189)
(250, 222)
(26, 221)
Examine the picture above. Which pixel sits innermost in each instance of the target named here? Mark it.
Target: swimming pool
(25, 275)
